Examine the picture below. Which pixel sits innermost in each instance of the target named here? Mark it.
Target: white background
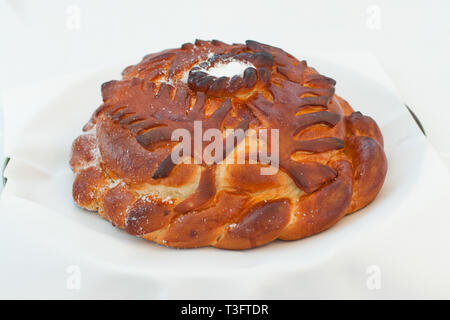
(47, 40)
(47, 44)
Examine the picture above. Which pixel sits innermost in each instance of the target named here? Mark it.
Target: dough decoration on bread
(331, 160)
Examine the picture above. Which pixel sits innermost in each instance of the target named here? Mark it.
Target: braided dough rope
(331, 159)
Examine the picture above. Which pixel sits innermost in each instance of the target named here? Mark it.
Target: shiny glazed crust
(331, 159)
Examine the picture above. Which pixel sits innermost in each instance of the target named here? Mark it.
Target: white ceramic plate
(115, 264)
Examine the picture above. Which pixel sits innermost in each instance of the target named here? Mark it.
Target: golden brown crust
(331, 159)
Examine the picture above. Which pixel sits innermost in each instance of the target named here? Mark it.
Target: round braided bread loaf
(331, 159)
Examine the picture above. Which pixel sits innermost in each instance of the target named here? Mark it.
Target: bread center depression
(227, 68)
